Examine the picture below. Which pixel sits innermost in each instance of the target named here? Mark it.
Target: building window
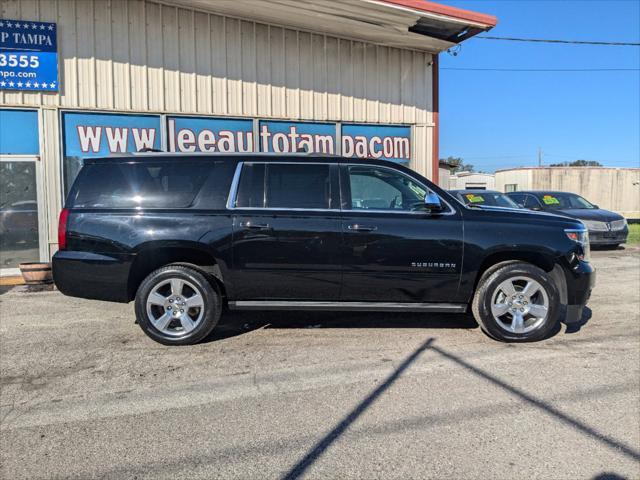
(511, 187)
(19, 228)
(19, 241)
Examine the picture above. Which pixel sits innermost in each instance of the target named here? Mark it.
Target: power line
(544, 69)
(570, 42)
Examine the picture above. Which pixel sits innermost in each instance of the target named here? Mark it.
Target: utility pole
(539, 157)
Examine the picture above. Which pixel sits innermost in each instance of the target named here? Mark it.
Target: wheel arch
(151, 257)
(541, 260)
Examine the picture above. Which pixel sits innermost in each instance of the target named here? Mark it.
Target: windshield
(564, 200)
(492, 199)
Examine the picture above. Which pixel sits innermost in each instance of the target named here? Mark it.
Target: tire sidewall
(487, 291)
(212, 305)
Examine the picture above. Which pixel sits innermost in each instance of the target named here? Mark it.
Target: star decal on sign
(3, 84)
(36, 84)
(19, 84)
(11, 84)
(52, 85)
(28, 84)
(50, 27)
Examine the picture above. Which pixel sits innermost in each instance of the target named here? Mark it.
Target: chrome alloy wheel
(520, 305)
(175, 307)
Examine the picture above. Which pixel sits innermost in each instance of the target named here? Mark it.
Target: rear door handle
(255, 226)
(362, 228)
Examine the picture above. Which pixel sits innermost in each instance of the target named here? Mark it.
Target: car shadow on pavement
(601, 248)
(236, 323)
(609, 476)
(575, 327)
(318, 449)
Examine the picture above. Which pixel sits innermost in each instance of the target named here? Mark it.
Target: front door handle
(362, 228)
(255, 226)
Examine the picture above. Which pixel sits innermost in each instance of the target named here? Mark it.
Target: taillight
(62, 229)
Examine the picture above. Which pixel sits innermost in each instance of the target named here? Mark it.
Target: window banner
(385, 142)
(97, 134)
(201, 134)
(92, 135)
(291, 137)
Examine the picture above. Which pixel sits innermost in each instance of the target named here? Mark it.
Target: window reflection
(18, 214)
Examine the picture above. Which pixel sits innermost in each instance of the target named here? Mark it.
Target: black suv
(188, 236)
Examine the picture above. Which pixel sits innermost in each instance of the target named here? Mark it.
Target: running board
(348, 306)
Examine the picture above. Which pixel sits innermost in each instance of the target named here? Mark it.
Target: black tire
(208, 315)
(488, 288)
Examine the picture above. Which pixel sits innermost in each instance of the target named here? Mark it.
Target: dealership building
(82, 78)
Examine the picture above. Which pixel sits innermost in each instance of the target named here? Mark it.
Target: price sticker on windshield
(475, 198)
(550, 200)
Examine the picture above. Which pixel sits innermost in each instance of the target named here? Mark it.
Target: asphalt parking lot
(85, 394)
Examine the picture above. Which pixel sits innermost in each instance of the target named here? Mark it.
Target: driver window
(374, 188)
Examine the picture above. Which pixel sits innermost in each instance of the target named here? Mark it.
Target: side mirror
(432, 201)
(521, 205)
(595, 206)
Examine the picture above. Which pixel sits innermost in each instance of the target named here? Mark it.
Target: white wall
(616, 189)
(473, 180)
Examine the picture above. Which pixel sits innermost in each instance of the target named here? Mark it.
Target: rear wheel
(518, 302)
(177, 305)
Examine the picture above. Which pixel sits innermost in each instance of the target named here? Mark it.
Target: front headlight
(618, 224)
(581, 237)
(595, 225)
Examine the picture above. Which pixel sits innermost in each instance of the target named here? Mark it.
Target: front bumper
(613, 237)
(580, 282)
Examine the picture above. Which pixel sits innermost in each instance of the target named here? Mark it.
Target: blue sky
(498, 120)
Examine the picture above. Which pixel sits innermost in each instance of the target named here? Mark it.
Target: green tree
(578, 163)
(457, 164)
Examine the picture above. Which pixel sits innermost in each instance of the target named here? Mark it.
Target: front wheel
(177, 305)
(518, 302)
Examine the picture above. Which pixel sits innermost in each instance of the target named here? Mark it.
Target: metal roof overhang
(414, 24)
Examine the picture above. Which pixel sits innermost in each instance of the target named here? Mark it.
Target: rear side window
(139, 185)
(298, 186)
(280, 185)
(251, 186)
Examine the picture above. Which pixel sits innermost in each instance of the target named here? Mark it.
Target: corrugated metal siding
(51, 175)
(142, 56)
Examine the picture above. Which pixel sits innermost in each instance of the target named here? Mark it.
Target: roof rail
(153, 151)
